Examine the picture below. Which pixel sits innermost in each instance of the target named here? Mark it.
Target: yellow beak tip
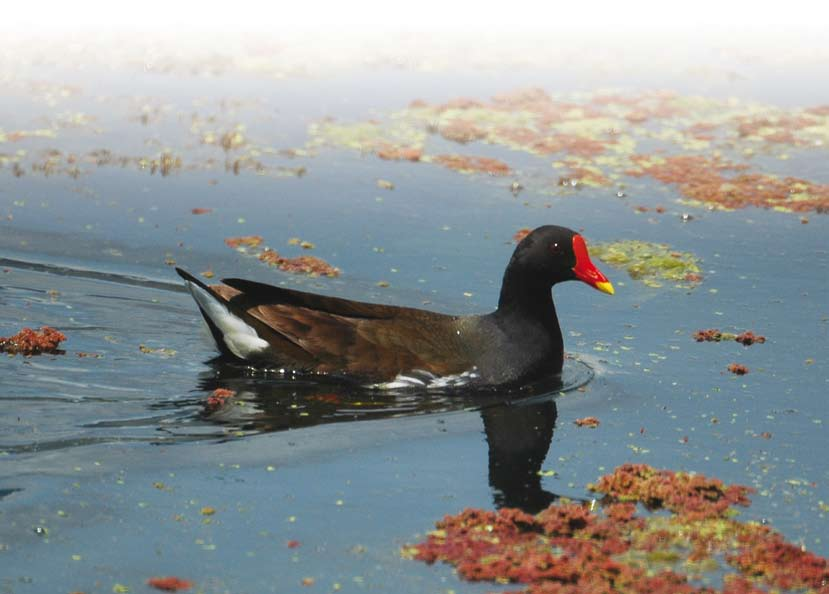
(605, 288)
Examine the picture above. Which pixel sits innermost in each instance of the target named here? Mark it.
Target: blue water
(106, 463)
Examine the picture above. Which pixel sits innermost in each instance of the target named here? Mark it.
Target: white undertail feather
(240, 337)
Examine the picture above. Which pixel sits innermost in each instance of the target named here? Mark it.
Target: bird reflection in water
(518, 426)
(519, 436)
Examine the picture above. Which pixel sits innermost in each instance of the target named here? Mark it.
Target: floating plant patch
(737, 368)
(703, 181)
(218, 397)
(394, 140)
(746, 338)
(32, 342)
(467, 164)
(309, 265)
(169, 584)
(652, 263)
(593, 139)
(570, 548)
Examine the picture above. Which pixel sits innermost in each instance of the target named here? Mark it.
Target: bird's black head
(546, 256)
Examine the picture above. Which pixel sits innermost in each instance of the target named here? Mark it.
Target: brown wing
(331, 335)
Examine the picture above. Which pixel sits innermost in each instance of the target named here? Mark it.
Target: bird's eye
(556, 249)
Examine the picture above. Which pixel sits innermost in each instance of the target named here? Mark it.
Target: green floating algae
(651, 263)
(371, 136)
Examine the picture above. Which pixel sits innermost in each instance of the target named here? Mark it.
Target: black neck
(524, 295)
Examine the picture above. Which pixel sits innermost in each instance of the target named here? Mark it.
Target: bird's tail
(233, 336)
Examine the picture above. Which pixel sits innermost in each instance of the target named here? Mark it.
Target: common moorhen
(397, 346)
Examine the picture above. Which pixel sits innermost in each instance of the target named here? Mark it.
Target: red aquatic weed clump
(737, 368)
(767, 555)
(201, 211)
(570, 548)
(563, 549)
(591, 422)
(31, 342)
(462, 131)
(540, 143)
(521, 234)
(218, 397)
(310, 265)
(691, 495)
(169, 584)
(578, 145)
(748, 338)
(778, 129)
(710, 335)
(397, 153)
(520, 136)
(564, 520)
(736, 584)
(620, 512)
(703, 179)
(247, 241)
(467, 164)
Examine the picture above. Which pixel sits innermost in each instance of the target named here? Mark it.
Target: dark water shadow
(519, 436)
(518, 424)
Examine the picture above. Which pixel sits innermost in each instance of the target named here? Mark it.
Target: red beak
(586, 271)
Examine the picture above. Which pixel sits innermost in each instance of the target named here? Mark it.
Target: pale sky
(378, 16)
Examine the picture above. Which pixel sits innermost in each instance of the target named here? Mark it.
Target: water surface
(109, 460)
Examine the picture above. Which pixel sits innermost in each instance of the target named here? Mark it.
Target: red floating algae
(310, 265)
(570, 549)
(701, 179)
(710, 335)
(591, 422)
(218, 397)
(690, 494)
(468, 164)
(776, 129)
(169, 584)
(31, 342)
(783, 565)
(737, 369)
(247, 241)
(462, 131)
(396, 153)
(746, 338)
